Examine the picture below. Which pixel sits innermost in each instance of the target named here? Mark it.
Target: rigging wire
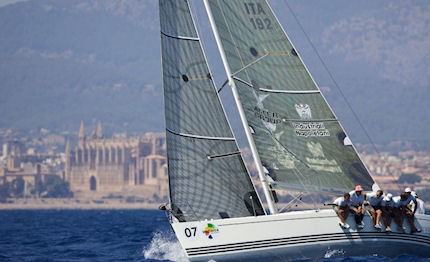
(335, 82)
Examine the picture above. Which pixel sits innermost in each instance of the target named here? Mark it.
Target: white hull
(296, 235)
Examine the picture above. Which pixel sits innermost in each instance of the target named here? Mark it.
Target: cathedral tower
(68, 159)
(100, 134)
(82, 136)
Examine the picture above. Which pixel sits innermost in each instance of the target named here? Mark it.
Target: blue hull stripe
(417, 239)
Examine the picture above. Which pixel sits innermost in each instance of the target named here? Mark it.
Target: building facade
(28, 167)
(118, 164)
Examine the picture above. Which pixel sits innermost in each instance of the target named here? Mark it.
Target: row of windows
(109, 156)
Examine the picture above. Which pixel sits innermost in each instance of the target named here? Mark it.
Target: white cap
(408, 190)
(388, 197)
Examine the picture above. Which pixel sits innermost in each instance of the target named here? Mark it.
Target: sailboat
(296, 141)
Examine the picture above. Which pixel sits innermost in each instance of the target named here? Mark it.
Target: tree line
(52, 187)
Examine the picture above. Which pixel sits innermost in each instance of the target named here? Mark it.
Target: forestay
(300, 142)
(207, 176)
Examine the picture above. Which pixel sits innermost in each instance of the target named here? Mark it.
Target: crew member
(357, 199)
(342, 204)
(405, 198)
(390, 210)
(375, 200)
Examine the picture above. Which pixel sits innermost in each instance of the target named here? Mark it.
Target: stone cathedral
(117, 164)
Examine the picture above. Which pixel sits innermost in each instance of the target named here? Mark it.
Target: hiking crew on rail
(380, 207)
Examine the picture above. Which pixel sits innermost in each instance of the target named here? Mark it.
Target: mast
(256, 157)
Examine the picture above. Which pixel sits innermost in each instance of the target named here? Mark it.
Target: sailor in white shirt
(342, 204)
(387, 211)
(407, 199)
(390, 210)
(375, 199)
(396, 201)
(356, 202)
(405, 210)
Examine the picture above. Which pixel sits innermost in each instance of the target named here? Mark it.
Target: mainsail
(207, 176)
(300, 142)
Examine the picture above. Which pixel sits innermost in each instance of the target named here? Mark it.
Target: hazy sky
(7, 2)
(375, 49)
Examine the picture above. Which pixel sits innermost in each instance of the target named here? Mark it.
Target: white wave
(164, 246)
(333, 253)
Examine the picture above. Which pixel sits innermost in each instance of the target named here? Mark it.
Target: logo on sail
(304, 111)
(319, 161)
(311, 128)
(210, 229)
(267, 116)
(316, 149)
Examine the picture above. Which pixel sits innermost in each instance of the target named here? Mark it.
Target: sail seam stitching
(200, 137)
(250, 64)
(277, 90)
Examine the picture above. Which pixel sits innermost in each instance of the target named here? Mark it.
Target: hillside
(62, 61)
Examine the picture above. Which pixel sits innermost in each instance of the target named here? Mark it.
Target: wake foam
(164, 246)
(334, 253)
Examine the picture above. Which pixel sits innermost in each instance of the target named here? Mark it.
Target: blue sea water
(101, 235)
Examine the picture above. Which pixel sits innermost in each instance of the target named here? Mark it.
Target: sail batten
(299, 140)
(207, 176)
(310, 121)
(290, 91)
(202, 137)
(181, 37)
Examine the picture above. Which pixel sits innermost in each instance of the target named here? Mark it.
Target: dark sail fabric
(300, 142)
(207, 176)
